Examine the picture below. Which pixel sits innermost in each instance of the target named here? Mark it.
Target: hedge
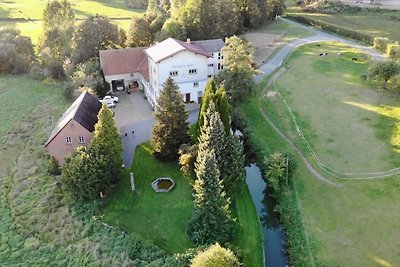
(335, 29)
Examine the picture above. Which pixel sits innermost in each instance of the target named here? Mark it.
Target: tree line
(199, 19)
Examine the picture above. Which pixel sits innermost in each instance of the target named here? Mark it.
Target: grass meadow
(373, 22)
(352, 127)
(288, 31)
(32, 10)
(36, 227)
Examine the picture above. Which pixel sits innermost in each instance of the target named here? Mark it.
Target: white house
(190, 64)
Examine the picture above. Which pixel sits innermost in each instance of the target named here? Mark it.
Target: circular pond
(163, 184)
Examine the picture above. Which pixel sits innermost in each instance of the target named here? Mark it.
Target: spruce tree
(212, 136)
(107, 145)
(171, 128)
(208, 95)
(234, 167)
(212, 221)
(221, 105)
(94, 169)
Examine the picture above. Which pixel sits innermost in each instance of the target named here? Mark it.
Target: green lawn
(159, 217)
(162, 217)
(33, 9)
(353, 128)
(249, 238)
(289, 31)
(384, 23)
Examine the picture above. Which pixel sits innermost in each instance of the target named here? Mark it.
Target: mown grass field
(162, 217)
(288, 31)
(382, 23)
(32, 10)
(354, 225)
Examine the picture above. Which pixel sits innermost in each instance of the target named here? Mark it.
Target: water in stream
(273, 234)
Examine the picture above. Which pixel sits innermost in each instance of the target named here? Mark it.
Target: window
(81, 140)
(193, 71)
(211, 65)
(187, 97)
(209, 76)
(220, 56)
(69, 140)
(220, 66)
(196, 84)
(173, 73)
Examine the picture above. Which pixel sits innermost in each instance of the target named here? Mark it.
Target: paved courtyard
(133, 112)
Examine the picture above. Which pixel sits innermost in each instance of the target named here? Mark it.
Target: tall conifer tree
(171, 128)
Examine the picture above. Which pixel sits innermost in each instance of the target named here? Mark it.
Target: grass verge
(249, 238)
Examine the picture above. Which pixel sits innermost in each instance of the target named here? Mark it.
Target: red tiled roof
(123, 61)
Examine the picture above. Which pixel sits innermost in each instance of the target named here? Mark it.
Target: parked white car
(111, 97)
(109, 102)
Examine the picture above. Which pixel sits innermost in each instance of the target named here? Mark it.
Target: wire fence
(327, 169)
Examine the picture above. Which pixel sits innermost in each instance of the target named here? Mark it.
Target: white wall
(214, 60)
(182, 63)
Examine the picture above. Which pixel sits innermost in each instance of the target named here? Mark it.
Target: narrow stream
(273, 234)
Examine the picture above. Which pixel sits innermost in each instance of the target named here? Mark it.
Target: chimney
(188, 40)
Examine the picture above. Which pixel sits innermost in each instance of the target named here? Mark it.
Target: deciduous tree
(139, 34)
(94, 34)
(238, 70)
(384, 71)
(58, 29)
(16, 52)
(171, 128)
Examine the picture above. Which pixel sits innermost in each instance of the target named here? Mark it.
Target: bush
(381, 43)
(393, 51)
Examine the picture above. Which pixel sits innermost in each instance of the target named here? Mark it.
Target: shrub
(16, 52)
(381, 43)
(393, 51)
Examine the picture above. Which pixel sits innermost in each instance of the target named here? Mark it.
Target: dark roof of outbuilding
(210, 46)
(84, 110)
